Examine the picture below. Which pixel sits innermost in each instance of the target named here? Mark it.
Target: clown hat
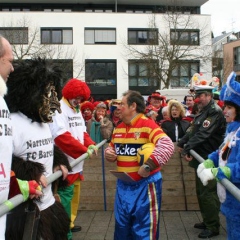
(76, 88)
(231, 90)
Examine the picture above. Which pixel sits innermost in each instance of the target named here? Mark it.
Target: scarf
(95, 133)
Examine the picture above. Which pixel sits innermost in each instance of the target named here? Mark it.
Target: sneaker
(207, 233)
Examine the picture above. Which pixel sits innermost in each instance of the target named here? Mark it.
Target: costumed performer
(137, 203)
(225, 162)
(69, 133)
(32, 101)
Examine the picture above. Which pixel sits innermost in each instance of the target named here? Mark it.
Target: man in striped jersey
(137, 203)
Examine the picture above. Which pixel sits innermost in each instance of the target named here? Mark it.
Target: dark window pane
(100, 73)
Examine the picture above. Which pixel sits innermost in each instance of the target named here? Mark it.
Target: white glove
(206, 175)
(200, 168)
(204, 165)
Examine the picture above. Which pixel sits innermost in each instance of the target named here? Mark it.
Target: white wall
(120, 21)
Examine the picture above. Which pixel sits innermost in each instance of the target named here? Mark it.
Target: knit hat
(86, 105)
(76, 88)
(231, 90)
(101, 105)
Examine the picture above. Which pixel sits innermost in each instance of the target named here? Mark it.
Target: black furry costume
(32, 93)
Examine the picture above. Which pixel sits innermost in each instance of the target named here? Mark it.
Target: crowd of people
(42, 132)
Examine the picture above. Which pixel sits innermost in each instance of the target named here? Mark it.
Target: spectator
(224, 162)
(176, 126)
(137, 203)
(189, 102)
(151, 112)
(165, 113)
(87, 110)
(158, 101)
(204, 136)
(115, 112)
(100, 127)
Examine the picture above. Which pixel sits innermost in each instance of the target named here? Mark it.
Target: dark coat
(169, 127)
(206, 132)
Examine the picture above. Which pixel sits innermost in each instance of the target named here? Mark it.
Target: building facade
(231, 56)
(114, 45)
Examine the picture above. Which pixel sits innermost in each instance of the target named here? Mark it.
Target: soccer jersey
(126, 140)
(32, 141)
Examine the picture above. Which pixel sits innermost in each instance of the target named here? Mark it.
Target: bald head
(6, 58)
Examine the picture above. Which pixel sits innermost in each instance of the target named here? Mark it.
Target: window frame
(190, 71)
(12, 29)
(94, 40)
(93, 80)
(147, 31)
(179, 40)
(139, 77)
(51, 30)
(236, 59)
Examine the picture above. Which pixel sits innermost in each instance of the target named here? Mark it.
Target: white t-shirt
(33, 141)
(69, 121)
(5, 159)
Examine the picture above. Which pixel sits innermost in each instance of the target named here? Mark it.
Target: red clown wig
(76, 88)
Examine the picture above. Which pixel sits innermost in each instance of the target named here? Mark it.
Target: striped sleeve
(163, 151)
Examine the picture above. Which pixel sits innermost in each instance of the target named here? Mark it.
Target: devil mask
(33, 88)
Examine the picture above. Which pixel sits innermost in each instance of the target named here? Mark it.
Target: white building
(95, 36)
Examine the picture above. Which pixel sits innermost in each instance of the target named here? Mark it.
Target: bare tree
(25, 39)
(175, 30)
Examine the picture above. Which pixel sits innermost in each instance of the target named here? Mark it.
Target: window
(100, 36)
(56, 36)
(15, 35)
(182, 74)
(184, 37)
(143, 36)
(236, 53)
(142, 74)
(101, 72)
